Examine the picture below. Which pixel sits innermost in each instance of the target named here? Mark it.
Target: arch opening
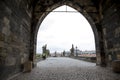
(84, 13)
(52, 24)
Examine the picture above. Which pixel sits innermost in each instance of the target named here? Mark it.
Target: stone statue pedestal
(116, 66)
(27, 66)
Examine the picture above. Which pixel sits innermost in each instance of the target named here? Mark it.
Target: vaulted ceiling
(94, 8)
(91, 7)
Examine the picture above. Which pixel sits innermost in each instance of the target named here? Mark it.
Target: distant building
(83, 53)
(77, 52)
(56, 54)
(86, 53)
(67, 53)
(89, 52)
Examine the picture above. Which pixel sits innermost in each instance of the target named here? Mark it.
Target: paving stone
(62, 68)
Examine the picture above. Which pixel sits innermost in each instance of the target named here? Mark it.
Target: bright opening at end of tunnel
(59, 30)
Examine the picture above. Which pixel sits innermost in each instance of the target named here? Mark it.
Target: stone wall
(15, 23)
(111, 31)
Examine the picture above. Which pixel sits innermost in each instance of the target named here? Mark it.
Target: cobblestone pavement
(62, 68)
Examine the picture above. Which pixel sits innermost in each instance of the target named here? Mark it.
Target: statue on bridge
(72, 50)
(45, 51)
(44, 48)
(64, 53)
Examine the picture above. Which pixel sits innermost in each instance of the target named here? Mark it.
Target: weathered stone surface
(27, 66)
(118, 56)
(116, 66)
(3, 52)
(10, 61)
(6, 28)
(13, 14)
(111, 25)
(2, 37)
(117, 32)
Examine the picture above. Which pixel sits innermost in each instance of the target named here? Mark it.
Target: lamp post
(76, 52)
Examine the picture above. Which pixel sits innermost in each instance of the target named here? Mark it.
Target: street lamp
(76, 51)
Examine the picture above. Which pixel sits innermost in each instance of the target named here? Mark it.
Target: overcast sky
(59, 30)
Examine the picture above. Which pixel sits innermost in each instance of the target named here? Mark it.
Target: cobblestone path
(61, 68)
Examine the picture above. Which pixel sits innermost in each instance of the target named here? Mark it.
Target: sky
(59, 30)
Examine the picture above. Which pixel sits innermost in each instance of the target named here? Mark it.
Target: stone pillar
(101, 57)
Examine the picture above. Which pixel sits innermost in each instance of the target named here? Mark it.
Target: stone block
(3, 52)
(116, 66)
(27, 66)
(3, 55)
(10, 61)
(6, 28)
(118, 56)
(2, 37)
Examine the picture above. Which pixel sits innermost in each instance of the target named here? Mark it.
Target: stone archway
(20, 20)
(37, 20)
